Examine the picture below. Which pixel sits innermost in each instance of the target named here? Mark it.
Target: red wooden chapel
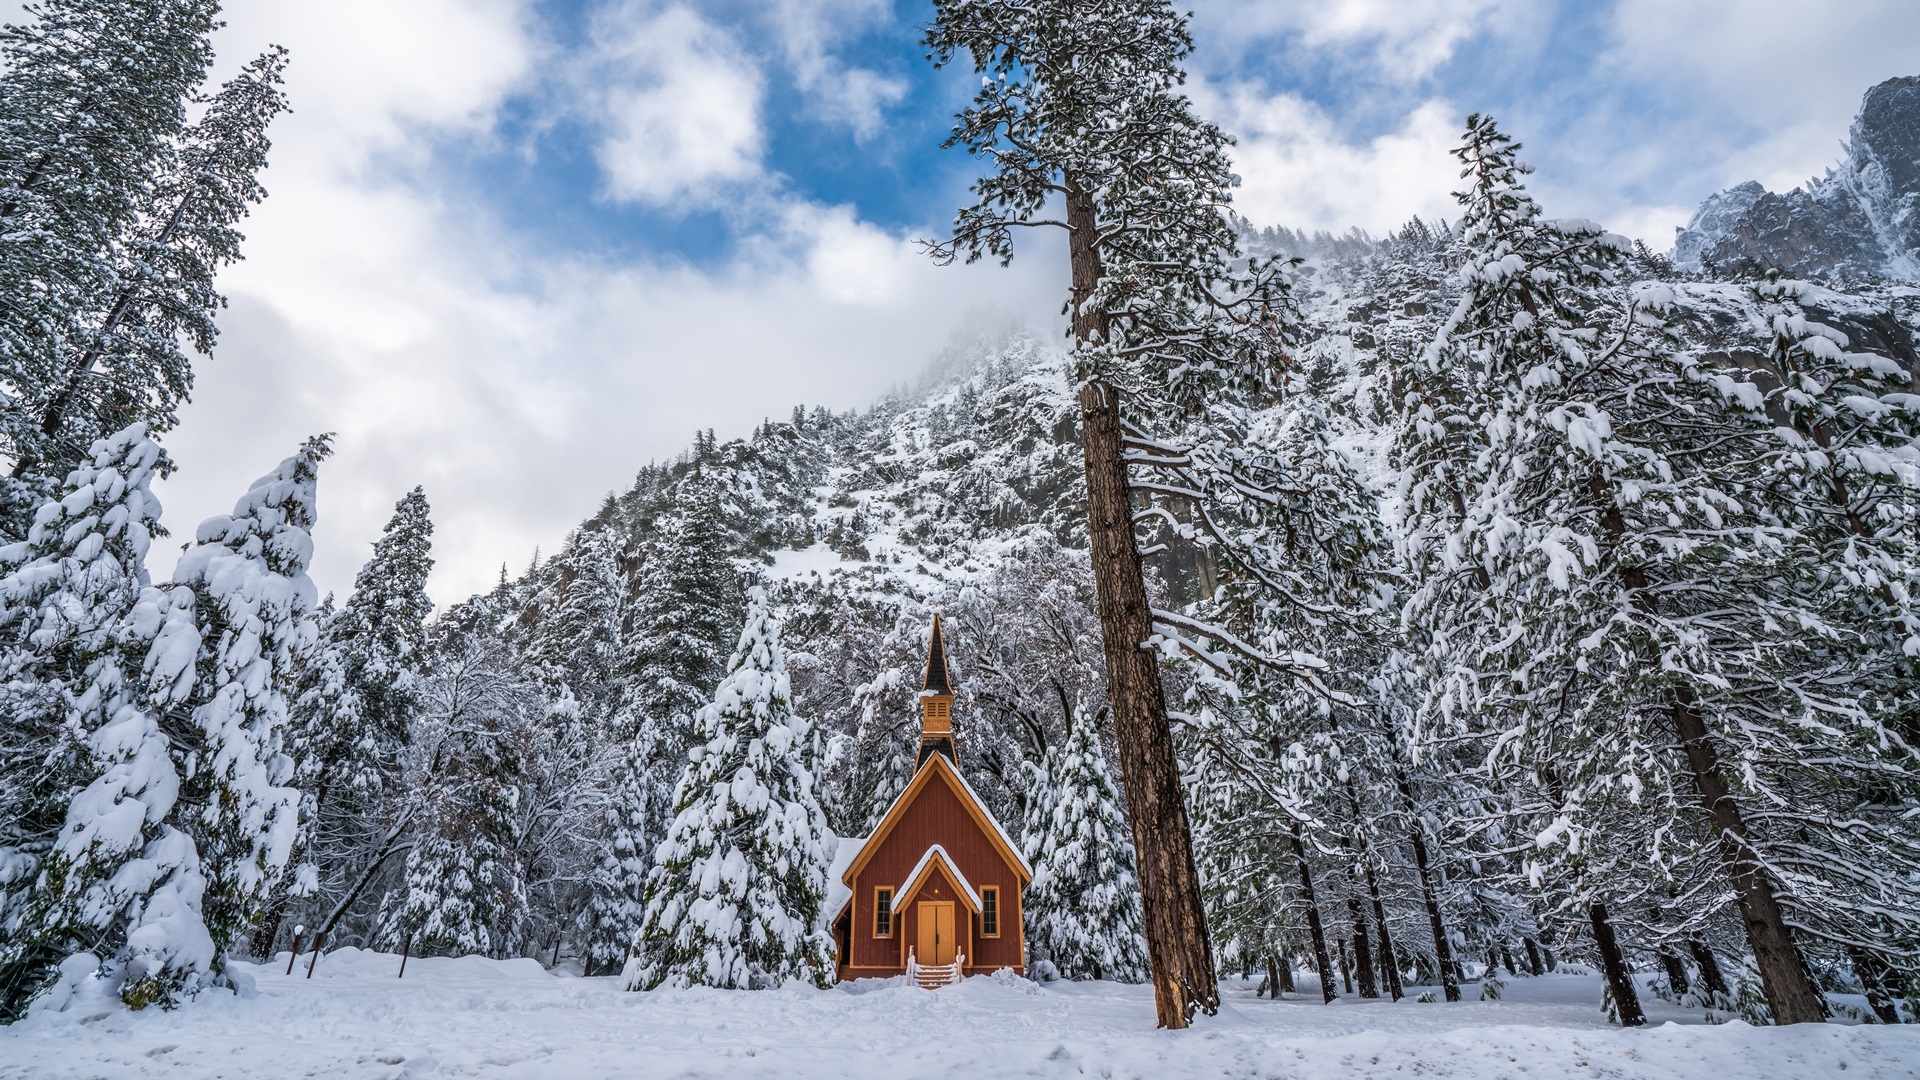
(938, 883)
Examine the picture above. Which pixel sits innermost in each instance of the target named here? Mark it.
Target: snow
(484, 1018)
(905, 888)
(837, 892)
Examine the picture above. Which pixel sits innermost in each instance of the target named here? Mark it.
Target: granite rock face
(1861, 220)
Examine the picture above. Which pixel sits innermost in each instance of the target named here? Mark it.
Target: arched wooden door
(937, 943)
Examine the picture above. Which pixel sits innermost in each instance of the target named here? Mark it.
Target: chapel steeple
(936, 703)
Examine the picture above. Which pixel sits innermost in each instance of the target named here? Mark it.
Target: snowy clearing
(476, 1017)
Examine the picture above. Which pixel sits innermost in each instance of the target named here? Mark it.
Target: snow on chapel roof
(919, 871)
(837, 891)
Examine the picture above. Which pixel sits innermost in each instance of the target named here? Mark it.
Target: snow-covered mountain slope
(1861, 220)
(470, 1016)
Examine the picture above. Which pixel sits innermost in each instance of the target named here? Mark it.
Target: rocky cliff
(1861, 220)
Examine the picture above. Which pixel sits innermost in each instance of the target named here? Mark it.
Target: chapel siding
(936, 816)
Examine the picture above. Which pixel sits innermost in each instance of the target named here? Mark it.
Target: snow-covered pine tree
(131, 365)
(121, 72)
(1083, 907)
(88, 860)
(464, 888)
(350, 729)
(359, 696)
(243, 583)
(734, 897)
(616, 902)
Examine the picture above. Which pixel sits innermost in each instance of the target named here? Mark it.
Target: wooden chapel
(935, 891)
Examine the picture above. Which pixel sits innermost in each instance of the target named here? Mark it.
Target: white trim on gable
(936, 851)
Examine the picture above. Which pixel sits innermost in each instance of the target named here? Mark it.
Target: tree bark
(1362, 949)
(1170, 901)
(1533, 957)
(1389, 960)
(1506, 959)
(1790, 993)
(1273, 976)
(1286, 974)
(1322, 959)
(1442, 951)
(1676, 973)
(1626, 1000)
(1709, 965)
(1346, 967)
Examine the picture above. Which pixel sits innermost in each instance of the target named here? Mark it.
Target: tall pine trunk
(1362, 950)
(1626, 1000)
(1442, 950)
(1677, 979)
(1790, 992)
(1322, 959)
(1170, 901)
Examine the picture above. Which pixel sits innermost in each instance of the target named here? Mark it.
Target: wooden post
(294, 952)
(406, 947)
(319, 940)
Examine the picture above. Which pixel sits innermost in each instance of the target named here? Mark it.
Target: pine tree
(1079, 101)
(1083, 909)
(734, 898)
(243, 583)
(465, 888)
(130, 366)
(359, 695)
(93, 97)
(93, 864)
(617, 903)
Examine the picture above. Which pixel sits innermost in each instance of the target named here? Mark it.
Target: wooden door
(937, 943)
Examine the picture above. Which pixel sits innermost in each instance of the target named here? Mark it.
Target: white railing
(934, 976)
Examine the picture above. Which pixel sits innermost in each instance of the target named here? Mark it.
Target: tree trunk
(1626, 1000)
(1442, 951)
(1322, 959)
(1389, 960)
(1676, 973)
(1346, 967)
(1709, 966)
(1790, 993)
(1506, 959)
(1175, 920)
(1533, 957)
(1273, 976)
(1362, 949)
(1874, 981)
(1286, 974)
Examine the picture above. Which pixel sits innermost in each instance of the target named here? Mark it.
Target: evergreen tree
(1083, 907)
(465, 888)
(91, 861)
(617, 901)
(734, 897)
(359, 695)
(1079, 102)
(130, 366)
(243, 584)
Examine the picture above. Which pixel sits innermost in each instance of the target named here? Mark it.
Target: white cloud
(850, 96)
(1402, 40)
(679, 104)
(1768, 86)
(517, 385)
(1298, 170)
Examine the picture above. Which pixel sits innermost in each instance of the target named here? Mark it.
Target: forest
(1407, 610)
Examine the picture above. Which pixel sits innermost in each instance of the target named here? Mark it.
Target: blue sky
(516, 248)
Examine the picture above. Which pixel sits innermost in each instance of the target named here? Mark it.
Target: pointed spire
(937, 680)
(936, 702)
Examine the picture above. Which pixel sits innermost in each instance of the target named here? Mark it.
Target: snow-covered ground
(475, 1017)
